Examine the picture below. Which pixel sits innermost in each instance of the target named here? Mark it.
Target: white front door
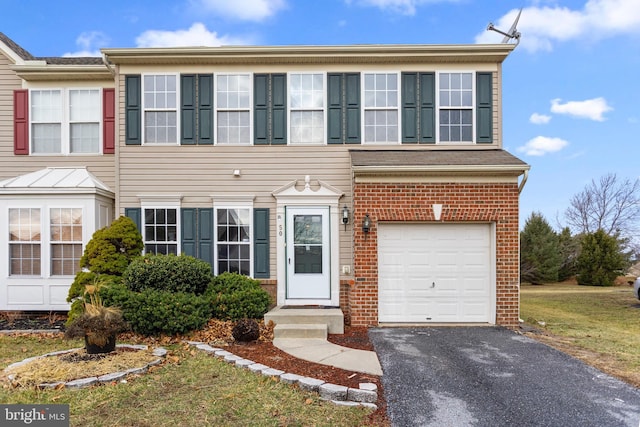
(308, 254)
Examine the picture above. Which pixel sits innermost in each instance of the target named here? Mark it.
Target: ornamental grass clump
(98, 324)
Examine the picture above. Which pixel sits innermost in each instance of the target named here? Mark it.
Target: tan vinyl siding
(11, 165)
(198, 173)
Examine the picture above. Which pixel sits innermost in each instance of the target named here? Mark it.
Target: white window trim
(65, 123)
(398, 107)
(162, 202)
(45, 236)
(232, 202)
(217, 109)
(324, 108)
(473, 107)
(52, 242)
(144, 109)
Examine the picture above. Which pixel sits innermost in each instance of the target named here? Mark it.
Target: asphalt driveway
(491, 376)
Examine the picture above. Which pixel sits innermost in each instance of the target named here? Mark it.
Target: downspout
(524, 181)
(106, 64)
(116, 153)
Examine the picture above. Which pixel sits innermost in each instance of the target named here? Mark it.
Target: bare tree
(608, 204)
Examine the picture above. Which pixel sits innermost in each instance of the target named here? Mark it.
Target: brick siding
(473, 202)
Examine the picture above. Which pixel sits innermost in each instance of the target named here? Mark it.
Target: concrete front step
(333, 318)
(300, 330)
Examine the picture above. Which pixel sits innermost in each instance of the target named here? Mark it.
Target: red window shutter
(108, 121)
(21, 121)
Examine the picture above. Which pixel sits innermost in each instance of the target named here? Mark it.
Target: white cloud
(404, 7)
(541, 145)
(89, 44)
(592, 109)
(245, 10)
(196, 35)
(542, 26)
(539, 119)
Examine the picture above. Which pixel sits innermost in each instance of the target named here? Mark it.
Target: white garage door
(435, 273)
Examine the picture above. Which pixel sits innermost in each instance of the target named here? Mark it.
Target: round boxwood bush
(155, 312)
(180, 273)
(234, 296)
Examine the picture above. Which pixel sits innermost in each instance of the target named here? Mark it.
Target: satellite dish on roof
(513, 32)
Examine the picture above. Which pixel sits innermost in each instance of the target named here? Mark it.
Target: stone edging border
(158, 352)
(366, 395)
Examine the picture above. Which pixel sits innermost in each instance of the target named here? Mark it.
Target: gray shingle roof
(399, 158)
(16, 48)
(53, 60)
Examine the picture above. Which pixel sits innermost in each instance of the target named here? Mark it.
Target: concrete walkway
(321, 351)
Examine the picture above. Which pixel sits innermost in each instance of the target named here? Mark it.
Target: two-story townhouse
(370, 178)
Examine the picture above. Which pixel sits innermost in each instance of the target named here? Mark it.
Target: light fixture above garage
(366, 223)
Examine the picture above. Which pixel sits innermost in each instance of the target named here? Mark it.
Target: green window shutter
(409, 108)
(261, 243)
(205, 235)
(136, 215)
(484, 108)
(188, 109)
(334, 104)
(260, 109)
(352, 108)
(427, 107)
(278, 109)
(133, 110)
(188, 226)
(205, 109)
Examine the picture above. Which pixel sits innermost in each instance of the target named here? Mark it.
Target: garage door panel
(415, 257)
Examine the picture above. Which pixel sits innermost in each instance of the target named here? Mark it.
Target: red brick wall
(490, 202)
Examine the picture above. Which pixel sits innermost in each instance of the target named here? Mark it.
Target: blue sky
(571, 90)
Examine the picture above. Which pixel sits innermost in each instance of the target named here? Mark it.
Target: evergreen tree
(539, 251)
(600, 260)
(569, 248)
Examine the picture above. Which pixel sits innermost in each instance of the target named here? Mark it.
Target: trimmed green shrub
(180, 273)
(112, 248)
(155, 312)
(234, 296)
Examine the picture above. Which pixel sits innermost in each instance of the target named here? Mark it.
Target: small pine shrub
(246, 330)
(234, 296)
(180, 273)
(154, 312)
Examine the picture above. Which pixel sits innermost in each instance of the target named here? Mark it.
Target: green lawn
(602, 320)
(192, 389)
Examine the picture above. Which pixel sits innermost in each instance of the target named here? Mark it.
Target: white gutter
(524, 181)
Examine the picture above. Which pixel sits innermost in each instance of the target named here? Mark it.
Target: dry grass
(58, 368)
(599, 325)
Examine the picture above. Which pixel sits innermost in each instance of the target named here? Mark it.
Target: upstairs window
(160, 96)
(233, 93)
(306, 108)
(455, 95)
(65, 121)
(381, 107)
